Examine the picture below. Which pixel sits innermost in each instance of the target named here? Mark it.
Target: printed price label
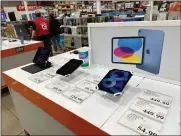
(19, 49)
(149, 109)
(50, 72)
(76, 95)
(87, 86)
(39, 78)
(58, 86)
(94, 79)
(140, 124)
(157, 98)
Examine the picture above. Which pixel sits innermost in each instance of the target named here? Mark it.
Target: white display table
(15, 54)
(44, 112)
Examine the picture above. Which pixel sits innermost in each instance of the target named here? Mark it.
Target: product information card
(149, 109)
(43, 76)
(58, 86)
(140, 124)
(38, 78)
(51, 72)
(87, 86)
(94, 79)
(76, 95)
(157, 98)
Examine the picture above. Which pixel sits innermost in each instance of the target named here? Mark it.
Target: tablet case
(114, 81)
(152, 51)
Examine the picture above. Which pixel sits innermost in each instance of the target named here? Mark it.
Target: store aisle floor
(10, 122)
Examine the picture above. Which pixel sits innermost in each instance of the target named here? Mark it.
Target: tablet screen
(127, 50)
(41, 56)
(114, 81)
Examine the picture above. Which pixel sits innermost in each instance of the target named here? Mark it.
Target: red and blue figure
(128, 50)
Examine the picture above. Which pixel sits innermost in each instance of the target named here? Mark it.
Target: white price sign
(157, 98)
(76, 95)
(50, 72)
(94, 78)
(87, 86)
(140, 124)
(38, 78)
(149, 109)
(58, 86)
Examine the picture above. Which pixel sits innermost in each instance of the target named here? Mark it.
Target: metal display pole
(151, 10)
(98, 6)
(26, 9)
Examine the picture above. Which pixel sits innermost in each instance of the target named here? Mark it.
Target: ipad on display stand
(71, 66)
(115, 81)
(128, 50)
(40, 61)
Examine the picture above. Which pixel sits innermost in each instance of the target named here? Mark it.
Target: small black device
(40, 61)
(69, 67)
(115, 81)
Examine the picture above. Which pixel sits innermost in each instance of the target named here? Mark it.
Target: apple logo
(148, 51)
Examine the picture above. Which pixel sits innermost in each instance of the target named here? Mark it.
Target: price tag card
(76, 95)
(50, 72)
(149, 109)
(87, 86)
(94, 79)
(140, 124)
(157, 98)
(38, 78)
(58, 86)
(19, 49)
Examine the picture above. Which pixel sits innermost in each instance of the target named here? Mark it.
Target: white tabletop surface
(172, 123)
(8, 45)
(96, 109)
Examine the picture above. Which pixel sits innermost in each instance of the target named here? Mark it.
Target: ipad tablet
(40, 59)
(127, 50)
(115, 81)
(69, 67)
(41, 56)
(152, 51)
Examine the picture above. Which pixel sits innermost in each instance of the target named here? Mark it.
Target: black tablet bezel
(128, 38)
(69, 73)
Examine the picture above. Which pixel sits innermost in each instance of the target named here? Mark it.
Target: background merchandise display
(156, 66)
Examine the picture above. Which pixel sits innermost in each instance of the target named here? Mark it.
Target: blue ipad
(115, 81)
(152, 50)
